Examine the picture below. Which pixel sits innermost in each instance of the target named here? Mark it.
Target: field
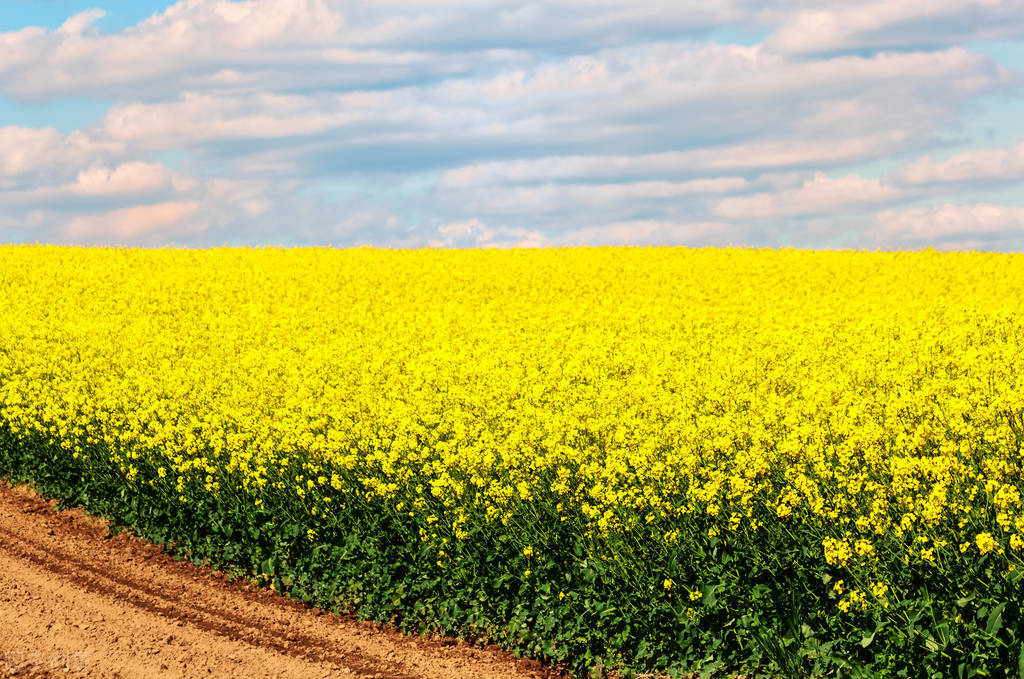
(653, 460)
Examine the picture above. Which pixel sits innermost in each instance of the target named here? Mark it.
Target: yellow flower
(867, 401)
(864, 548)
(837, 552)
(985, 542)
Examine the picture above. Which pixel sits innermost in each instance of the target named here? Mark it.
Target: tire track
(209, 619)
(73, 593)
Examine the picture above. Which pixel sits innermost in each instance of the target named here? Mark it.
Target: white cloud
(78, 23)
(821, 194)
(670, 78)
(748, 156)
(822, 112)
(534, 200)
(134, 224)
(210, 118)
(102, 185)
(250, 42)
(131, 177)
(203, 35)
(464, 229)
(28, 153)
(442, 23)
(506, 123)
(883, 23)
(474, 233)
(20, 149)
(655, 232)
(952, 226)
(976, 165)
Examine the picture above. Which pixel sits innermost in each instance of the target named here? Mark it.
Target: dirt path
(76, 602)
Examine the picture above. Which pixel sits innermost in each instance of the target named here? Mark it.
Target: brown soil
(76, 601)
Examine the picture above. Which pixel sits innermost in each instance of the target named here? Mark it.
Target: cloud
(78, 23)
(982, 226)
(133, 224)
(131, 177)
(100, 186)
(717, 86)
(458, 230)
(20, 149)
(256, 43)
(198, 118)
(974, 166)
(29, 154)
(747, 156)
(499, 123)
(908, 23)
(824, 112)
(818, 195)
(190, 37)
(535, 200)
(474, 233)
(557, 23)
(656, 232)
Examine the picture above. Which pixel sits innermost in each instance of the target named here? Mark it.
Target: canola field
(645, 460)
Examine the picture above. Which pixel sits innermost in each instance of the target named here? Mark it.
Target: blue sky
(443, 123)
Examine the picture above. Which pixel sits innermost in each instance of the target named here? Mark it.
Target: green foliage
(575, 601)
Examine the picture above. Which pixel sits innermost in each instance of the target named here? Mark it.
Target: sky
(877, 124)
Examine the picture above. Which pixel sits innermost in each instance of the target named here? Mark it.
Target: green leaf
(995, 619)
